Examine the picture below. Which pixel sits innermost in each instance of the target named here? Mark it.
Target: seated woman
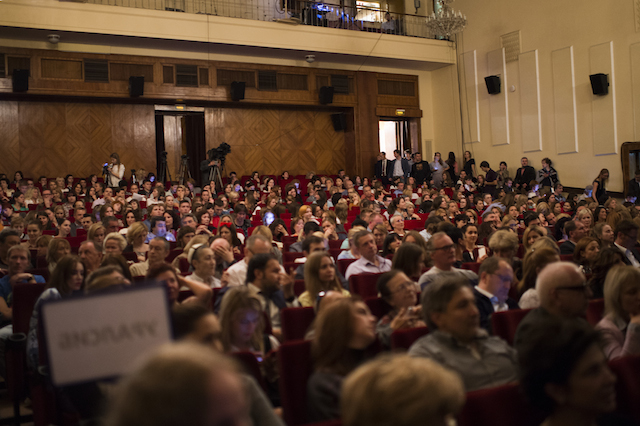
(279, 229)
(172, 222)
(66, 278)
(114, 244)
(57, 249)
(343, 332)
(64, 228)
(329, 229)
(203, 262)
(531, 234)
(470, 232)
(586, 217)
(576, 388)
(319, 277)
(504, 244)
(228, 232)
(397, 225)
(414, 237)
(409, 258)
(609, 257)
(604, 233)
(620, 327)
(97, 233)
(534, 262)
(195, 240)
(410, 212)
(167, 274)
(586, 253)
(399, 291)
(34, 231)
(305, 213)
(19, 203)
(136, 236)
(185, 234)
(391, 244)
(352, 252)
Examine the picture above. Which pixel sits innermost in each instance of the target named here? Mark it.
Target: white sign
(100, 336)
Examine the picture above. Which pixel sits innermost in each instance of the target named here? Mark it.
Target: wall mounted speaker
(136, 86)
(493, 84)
(237, 90)
(339, 122)
(599, 84)
(325, 95)
(20, 80)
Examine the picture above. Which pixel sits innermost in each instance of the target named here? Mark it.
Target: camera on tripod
(219, 153)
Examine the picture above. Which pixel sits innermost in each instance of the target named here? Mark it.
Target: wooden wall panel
(10, 158)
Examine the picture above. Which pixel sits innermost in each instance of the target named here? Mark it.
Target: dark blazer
(635, 254)
(406, 168)
(524, 175)
(485, 307)
(421, 172)
(567, 247)
(633, 189)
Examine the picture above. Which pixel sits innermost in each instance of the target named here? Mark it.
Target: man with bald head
(563, 292)
(238, 272)
(223, 254)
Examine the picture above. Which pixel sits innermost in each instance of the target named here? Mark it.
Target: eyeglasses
(407, 285)
(582, 287)
(447, 247)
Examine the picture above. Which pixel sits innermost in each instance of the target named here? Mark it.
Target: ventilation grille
(511, 44)
(3, 71)
(396, 88)
(18, 63)
(322, 81)
(96, 70)
(203, 76)
(122, 72)
(187, 75)
(267, 80)
(226, 77)
(340, 83)
(167, 74)
(292, 82)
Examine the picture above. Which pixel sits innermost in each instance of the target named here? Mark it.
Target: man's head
(78, 214)
(91, 254)
(189, 220)
(158, 226)
(485, 166)
(8, 239)
(18, 259)
(264, 272)
(110, 223)
(185, 207)
(397, 154)
(563, 290)
(575, 230)
(310, 227)
(442, 251)
(417, 157)
(217, 245)
(256, 244)
(524, 161)
(312, 244)
(158, 250)
(448, 305)
(366, 244)
(496, 276)
(218, 207)
(86, 221)
(626, 233)
(375, 219)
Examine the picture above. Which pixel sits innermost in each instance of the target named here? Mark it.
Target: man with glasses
(575, 230)
(443, 255)
(564, 294)
(492, 291)
(626, 235)
(47, 199)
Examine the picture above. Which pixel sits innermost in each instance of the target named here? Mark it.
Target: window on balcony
(368, 11)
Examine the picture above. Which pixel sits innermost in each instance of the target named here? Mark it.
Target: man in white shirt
(626, 235)
(443, 255)
(492, 291)
(158, 251)
(369, 261)
(256, 244)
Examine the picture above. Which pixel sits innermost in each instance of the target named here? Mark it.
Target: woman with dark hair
(438, 167)
(165, 273)
(600, 215)
(279, 229)
(400, 292)
(343, 332)
(67, 278)
(229, 233)
(547, 176)
(453, 167)
(586, 253)
(534, 262)
(409, 258)
(391, 243)
(469, 165)
(609, 257)
(320, 277)
(565, 375)
(599, 193)
(116, 171)
(17, 177)
(604, 233)
(19, 203)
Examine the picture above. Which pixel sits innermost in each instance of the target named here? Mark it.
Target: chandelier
(445, 21)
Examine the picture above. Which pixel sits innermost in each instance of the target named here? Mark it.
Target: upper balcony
(244, 28)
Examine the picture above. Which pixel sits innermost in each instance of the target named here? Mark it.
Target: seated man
(492, 291)
(159, 229)
(626, 235)
(158, 251)
(256, 244)
(443, 255)
(19, 260)
(369, 261)
(457, 341)
(8, 239)
(575, 230)
(308, 229)
(563, 293)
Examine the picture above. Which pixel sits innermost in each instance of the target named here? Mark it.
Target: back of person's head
(554, 276)
(621, 280)
(310, 227)
(117, 260)
(390, 391)
(6, 233)
(105, 277)
(258, 262)
(490, 265)
(181, 384)
(534, 261)
(549, 356)
(383, 282)
(184, 318)
(409, 258)
(437, 295)
(624, 227)
(504, 241)
(253, 239)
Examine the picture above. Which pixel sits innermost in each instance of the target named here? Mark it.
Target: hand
(222, 253)
(286, 283)
(24, 277)
(635, 319)
(224, 279)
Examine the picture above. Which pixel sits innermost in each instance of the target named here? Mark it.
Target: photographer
(207, 166)
(114, 172)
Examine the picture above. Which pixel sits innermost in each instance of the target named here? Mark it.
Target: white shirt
(630, 256)
(497, 306)
(397, 168)
(238, 273)
(213, 282)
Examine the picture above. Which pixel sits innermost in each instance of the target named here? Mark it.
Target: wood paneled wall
(54, 139)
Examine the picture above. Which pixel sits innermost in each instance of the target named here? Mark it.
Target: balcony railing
(297, 12)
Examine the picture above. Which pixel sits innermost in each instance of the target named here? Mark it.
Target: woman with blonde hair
(586, 253)
(586, 217)
(96, 233)
(620, 327)
(136, 236)
(319, 277)
(194, 241)
(531, 234)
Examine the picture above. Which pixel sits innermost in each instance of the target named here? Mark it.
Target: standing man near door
(381, 168)
(400, 168)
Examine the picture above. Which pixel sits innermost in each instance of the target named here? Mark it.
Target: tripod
(163, 170)
(217, 177)
(184, 170)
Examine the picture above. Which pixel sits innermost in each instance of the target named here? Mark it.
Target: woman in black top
(599, 193)
(469, 165)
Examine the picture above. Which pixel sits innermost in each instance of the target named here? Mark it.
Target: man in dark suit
(633, 189)
(524, 175)
(420, 170)
(575, 230)
(399, 167)
(626, 235)
(382, 167)
(492, 291)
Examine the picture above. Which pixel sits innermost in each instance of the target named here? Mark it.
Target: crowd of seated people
(431, 250)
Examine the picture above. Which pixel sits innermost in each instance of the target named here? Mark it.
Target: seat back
(251, 366)
(503, 405)
(504, 324)
(471, 266)
(364, 285)
(378, 306)
(628, 386)
(294, 362)
(24, 298)
(290, 256)
(343, 264)
(595, 310)
(296, 322)
(403, 339)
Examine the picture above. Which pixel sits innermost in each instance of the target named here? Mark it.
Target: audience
(442, 252)
(320, 277)
(399, 292)
(369, 260)
(492, 291)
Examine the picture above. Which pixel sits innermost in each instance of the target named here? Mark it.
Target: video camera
(219, 153)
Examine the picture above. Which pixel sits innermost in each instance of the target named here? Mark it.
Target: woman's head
(622, 292)
(137, 233)
(586, 251)
(203, 260)
(68, 275)
(397, 289)
(391, 243)
(504, 244)
(57, 249)
(531, 234)
(241, 319)
(166, 274)
(320, 274)
(604, 232)
(194, 323)
(534, 262)
(96, 233)
(604, 174)
(114, 243)
(115, 158)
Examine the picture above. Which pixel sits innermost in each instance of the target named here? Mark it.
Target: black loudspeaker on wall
(325, 95)
(237, 91)
(20, 80)
(493, 84)
(136, 86)
(599, 84)
(339, 122)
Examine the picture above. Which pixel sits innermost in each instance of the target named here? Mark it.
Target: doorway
(180, 138)
(393, 134)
